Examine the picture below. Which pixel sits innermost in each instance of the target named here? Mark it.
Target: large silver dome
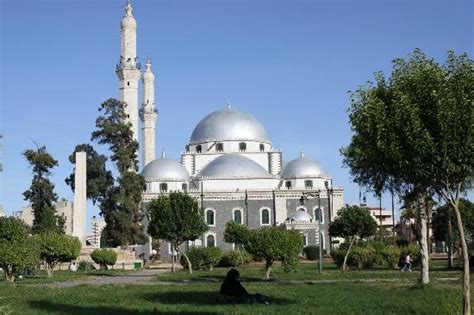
(301, 216)
(233, 166)
(228, 124)
(302, 167)
(165, 170)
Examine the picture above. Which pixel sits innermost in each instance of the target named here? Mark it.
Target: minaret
(128, 68)
(148, 115)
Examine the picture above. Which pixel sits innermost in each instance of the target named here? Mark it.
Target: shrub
(401, 242)
(311, 252)
(104, 257)
(202, 257)
(84, 266)
(338, 256)
(362, 257)
(378, 248)
(392, 255)
(235, 258)
(414, 251)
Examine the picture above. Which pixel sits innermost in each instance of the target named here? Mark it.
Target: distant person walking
(407, 262)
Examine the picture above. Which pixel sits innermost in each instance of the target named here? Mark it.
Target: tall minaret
(128, 68)
(148, 115)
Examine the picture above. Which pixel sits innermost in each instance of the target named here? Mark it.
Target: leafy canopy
(353, 221)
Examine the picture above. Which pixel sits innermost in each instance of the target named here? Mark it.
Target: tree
(18, 251)
(176, 218)
(120, 204)
(57, 248)
(418, 128)
(352, 223)
(445, 228)
(104, 257)
(41, 193)
(99, 179)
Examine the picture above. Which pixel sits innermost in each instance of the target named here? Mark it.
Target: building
(229, 164)
(382, 216)
(98, 225)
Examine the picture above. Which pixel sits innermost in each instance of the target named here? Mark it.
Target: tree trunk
(188, 262)
(466, 287)
(347, 254)
(450, 244)
(173, 269)
(268, 269)
(423, 240)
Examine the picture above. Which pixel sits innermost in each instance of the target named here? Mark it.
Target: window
(198, 148)
(187, 148)
(318, 214)
(242, 147)
(288, 184)
(262, 147)
(128, 83)
(305, 239)
(210, 241)
(220, 147)
(238, 216)
(265, 217)
(163, 187)
(308, 184)
(184, 187)
(210, 217)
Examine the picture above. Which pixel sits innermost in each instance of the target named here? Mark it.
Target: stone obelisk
(79, 213)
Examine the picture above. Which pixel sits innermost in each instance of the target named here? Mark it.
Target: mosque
(229, 164)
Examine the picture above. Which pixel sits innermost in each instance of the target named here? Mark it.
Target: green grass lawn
(399, 296)
(61, 275)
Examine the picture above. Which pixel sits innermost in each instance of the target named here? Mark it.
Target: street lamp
(304, 196)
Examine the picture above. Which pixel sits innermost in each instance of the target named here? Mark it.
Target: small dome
(128, 22)
(233, 166)
(302, 167)
(165, 170)
(228, 124)
(301, 216)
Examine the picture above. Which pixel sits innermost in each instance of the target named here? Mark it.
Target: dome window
(198, 148)
(288, 184)
(210, 241)
(238, 216)
(265, 217)
(220, 147)
(163, 187)
(210, 217)
(262, 147)
(242, 147)
(308, 184)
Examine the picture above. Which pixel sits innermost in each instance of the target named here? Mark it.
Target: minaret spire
(148, 115)
(128, 68)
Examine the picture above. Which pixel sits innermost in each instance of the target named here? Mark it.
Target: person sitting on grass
(232, 291)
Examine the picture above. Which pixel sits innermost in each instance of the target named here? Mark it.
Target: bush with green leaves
(85, 266)
(202, 257)
(19, 252)
(311, 252)
(392, 256)
(57, 248)
(362, 257)
(235, 258)
(104, 257)
(338, 255)
(414, 251)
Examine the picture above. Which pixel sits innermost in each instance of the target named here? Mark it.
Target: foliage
(236, 233)
(362, 257)
(392, 256)
(84, 266)
(202, 257)
(176, 218)
(99, 179)
(18, 251)
(338, 256)
(401, 242)
(41, 193)
(235, 258)
(311, 252)
(57, 248)
(119, 204)
(104, 257)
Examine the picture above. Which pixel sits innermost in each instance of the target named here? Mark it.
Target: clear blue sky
(289, 63)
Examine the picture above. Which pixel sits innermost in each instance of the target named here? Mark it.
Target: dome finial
(128, 8)
(148, 64)
(301, 152)
(163, 153)
(229, 106)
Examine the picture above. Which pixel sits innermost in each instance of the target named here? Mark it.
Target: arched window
(305, 239)
(319, 214)
(238, 216)
(220, 147)
(301, 209)
(242, 147)
(198, 148)
(288, 184)
(262, 147)
(184, 187)
(210, 217)
(308, 184)
(210, 241)
(265, 217)
(163, 187)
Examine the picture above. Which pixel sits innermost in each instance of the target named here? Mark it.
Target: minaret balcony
(128, 65)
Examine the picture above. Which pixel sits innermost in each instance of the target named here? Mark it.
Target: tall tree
(176, 218)
(99, 179)
(420, 123)
(120, 204)
(41, 193)
(352, 223)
